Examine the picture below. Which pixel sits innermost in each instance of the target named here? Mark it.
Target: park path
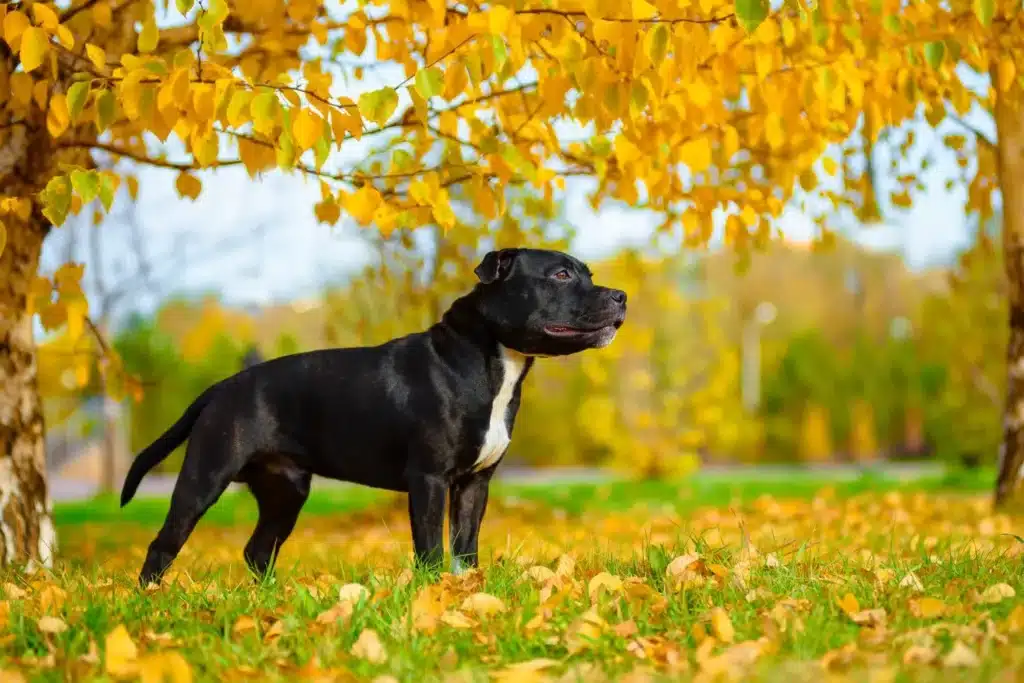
(69, 490)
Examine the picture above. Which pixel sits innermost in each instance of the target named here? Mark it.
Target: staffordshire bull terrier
(429, 414)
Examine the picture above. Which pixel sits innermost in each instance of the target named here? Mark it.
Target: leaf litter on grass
(872, 587)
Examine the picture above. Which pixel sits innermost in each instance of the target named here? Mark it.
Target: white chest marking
(497, 438)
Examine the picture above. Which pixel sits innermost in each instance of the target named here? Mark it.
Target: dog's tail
(156, 452)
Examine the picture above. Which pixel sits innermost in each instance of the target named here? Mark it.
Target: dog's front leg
(427, 493)
(469, 501)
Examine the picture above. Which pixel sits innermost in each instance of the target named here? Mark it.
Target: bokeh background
(882, 347)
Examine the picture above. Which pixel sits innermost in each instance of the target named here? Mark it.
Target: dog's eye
(563, 275)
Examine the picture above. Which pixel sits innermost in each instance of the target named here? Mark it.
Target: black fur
(409, 415)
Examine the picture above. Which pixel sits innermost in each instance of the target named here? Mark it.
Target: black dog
(429, 413)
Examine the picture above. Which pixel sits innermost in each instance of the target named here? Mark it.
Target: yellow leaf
(15, 24)
(307, 129)
(912, 582)
(582, 633)
(997, 593)
(927, 608)
(121, 653)
(238, 107)
(97, 56)
(643, 9)
(3, 237)
(149, 36)
(456, 619)
(353, 593)
(721, 625)
(45, 16)
(848, 604)
(696, 154)
(538, 573)
(342, 612)
(52, 625)
(961, 657)
(275, 631)
(243, 624)
(369, 647)
(188, 185)
(603, 581)
(34, 46)
(76, 309)
(483, 605)
(58, 118)
(65, 36)
(830, 165)
(362, 203)
(1015, 620)
(164, 667)
(680, 565)
(378, 105)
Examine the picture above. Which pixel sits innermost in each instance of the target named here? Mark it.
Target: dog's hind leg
(280, 489)
(200, 483)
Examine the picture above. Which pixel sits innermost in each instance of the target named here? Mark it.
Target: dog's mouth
(567, 332)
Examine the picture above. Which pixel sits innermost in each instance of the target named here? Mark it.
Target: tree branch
(982, 138)
(570, 14)
(142, 159)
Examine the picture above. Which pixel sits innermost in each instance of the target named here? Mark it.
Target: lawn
(800, 579)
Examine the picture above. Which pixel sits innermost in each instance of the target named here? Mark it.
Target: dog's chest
(497, 438)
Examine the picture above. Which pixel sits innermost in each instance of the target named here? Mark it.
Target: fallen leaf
(243, 624)
(869, 617)
(52, 625)
(919, 654)
(51, 599)
(14, 591)
(538, 573)
(456, 619)
(525, 672)
(483, 605)
(625, 629)
(721, 625)
(566, 566)
(340, 612)
(274, 632)
(997, 593)
(912, 582)
(1015, 620)
(164, 667)
(603, 582)
(582, 633)
(353, 593)
(848, 604)
(679, 565)
(961, 656)
(120, 654)
(369, 647)
(927, 608)
(771, 561)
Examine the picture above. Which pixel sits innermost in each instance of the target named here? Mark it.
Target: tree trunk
(1009, 118)
(26, 525)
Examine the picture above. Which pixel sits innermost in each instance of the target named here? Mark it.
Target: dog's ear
(495, 266)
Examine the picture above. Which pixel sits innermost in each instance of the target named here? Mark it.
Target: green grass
(238, 507)
(871, 537)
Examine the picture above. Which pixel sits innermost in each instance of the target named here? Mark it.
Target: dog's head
(544, 303)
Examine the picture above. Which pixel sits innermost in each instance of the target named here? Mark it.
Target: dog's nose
(618, 296)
